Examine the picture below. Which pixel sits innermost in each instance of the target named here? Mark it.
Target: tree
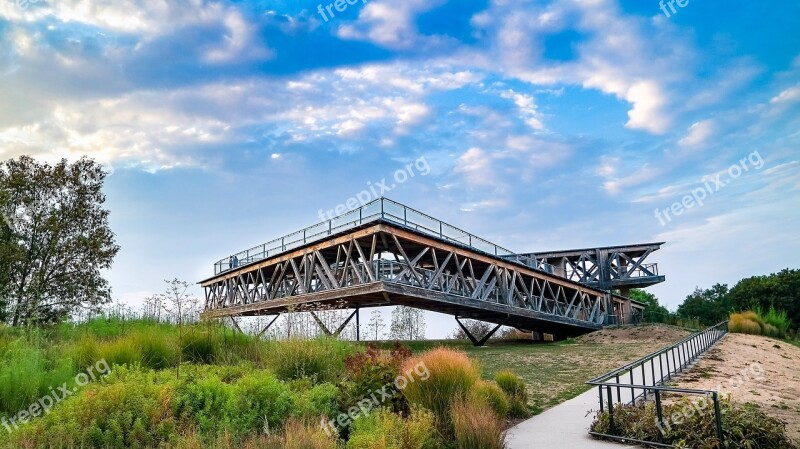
(376, 323)
(408, 323)
(653, 312)
(780, 290)
(8, 253)
(181, 305)
(61, 238)
(477, 328)
(710, 306)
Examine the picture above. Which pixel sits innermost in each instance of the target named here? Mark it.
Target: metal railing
(632, 381)
(382, 209)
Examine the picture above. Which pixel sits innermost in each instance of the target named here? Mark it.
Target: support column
(338, 331)
(358, 324)
(263, 331)
(482, 341)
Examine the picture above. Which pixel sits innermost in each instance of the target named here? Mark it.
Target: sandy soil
(753, 369)
(662, 334)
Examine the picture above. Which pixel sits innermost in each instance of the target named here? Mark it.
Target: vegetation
(517, 392)
(232, 390)
(452, 376)
(744, 426)
(386, 430)
(55, 239)
(771, 324)
(476, 425)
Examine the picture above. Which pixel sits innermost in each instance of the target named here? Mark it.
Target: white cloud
(389, 24)
(699, 133)
(789, 95)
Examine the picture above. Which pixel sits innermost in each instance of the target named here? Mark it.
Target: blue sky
(545, 124)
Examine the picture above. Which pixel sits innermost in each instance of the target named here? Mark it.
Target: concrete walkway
(565, 426)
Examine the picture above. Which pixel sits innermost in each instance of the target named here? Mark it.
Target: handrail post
(659, 417)
(718, 419)
(611, 412)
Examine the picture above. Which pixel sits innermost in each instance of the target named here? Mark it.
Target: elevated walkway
(388, 254)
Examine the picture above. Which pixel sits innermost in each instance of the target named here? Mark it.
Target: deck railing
(382, 209)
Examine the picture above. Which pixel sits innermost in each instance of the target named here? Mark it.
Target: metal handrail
(681, 354)
(381, 209)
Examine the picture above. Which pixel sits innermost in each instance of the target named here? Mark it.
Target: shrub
(744, 426)
(318, 401)
(476, 426)
(133, 414)
(489, 393)
(778, 319)
(517, 393)
(369, 371)
(383, 429)
(452, 375)
(255, 401)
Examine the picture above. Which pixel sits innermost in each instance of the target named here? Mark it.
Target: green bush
(492, 395)
(253, 402)
(319, 401)
(133, 414)
(369, 371)
(517, 393)
(383, 429)
(744, 426)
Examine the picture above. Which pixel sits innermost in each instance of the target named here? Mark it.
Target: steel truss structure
(383, 263)
(608, 268)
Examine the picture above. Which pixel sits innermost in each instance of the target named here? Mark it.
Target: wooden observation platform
(385, 254)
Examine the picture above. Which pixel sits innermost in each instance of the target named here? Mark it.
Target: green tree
(780, 290)
(8, 253)
(654, 312)
(61, 238)
(710, 306)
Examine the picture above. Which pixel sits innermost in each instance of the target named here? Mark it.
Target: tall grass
(321, 360)
(452, 376)
(773, 323)
(517, 393)
(477, 426)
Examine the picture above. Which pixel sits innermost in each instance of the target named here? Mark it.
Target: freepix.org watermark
(339, 5)
(378, 189)
(25, 4)
(668, 6)
(419, 373)
(55, 396)
(753, 373)
(712, 184)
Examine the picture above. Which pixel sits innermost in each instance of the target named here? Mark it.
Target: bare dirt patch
(754, 369)
(657, 333)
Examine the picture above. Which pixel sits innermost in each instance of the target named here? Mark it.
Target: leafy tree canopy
(56, 239)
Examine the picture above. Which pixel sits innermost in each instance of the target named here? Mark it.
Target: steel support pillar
(338, 331)
(482, 341)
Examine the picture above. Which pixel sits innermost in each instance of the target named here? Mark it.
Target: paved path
(565, 426)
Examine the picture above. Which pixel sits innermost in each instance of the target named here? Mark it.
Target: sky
(538, 125)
